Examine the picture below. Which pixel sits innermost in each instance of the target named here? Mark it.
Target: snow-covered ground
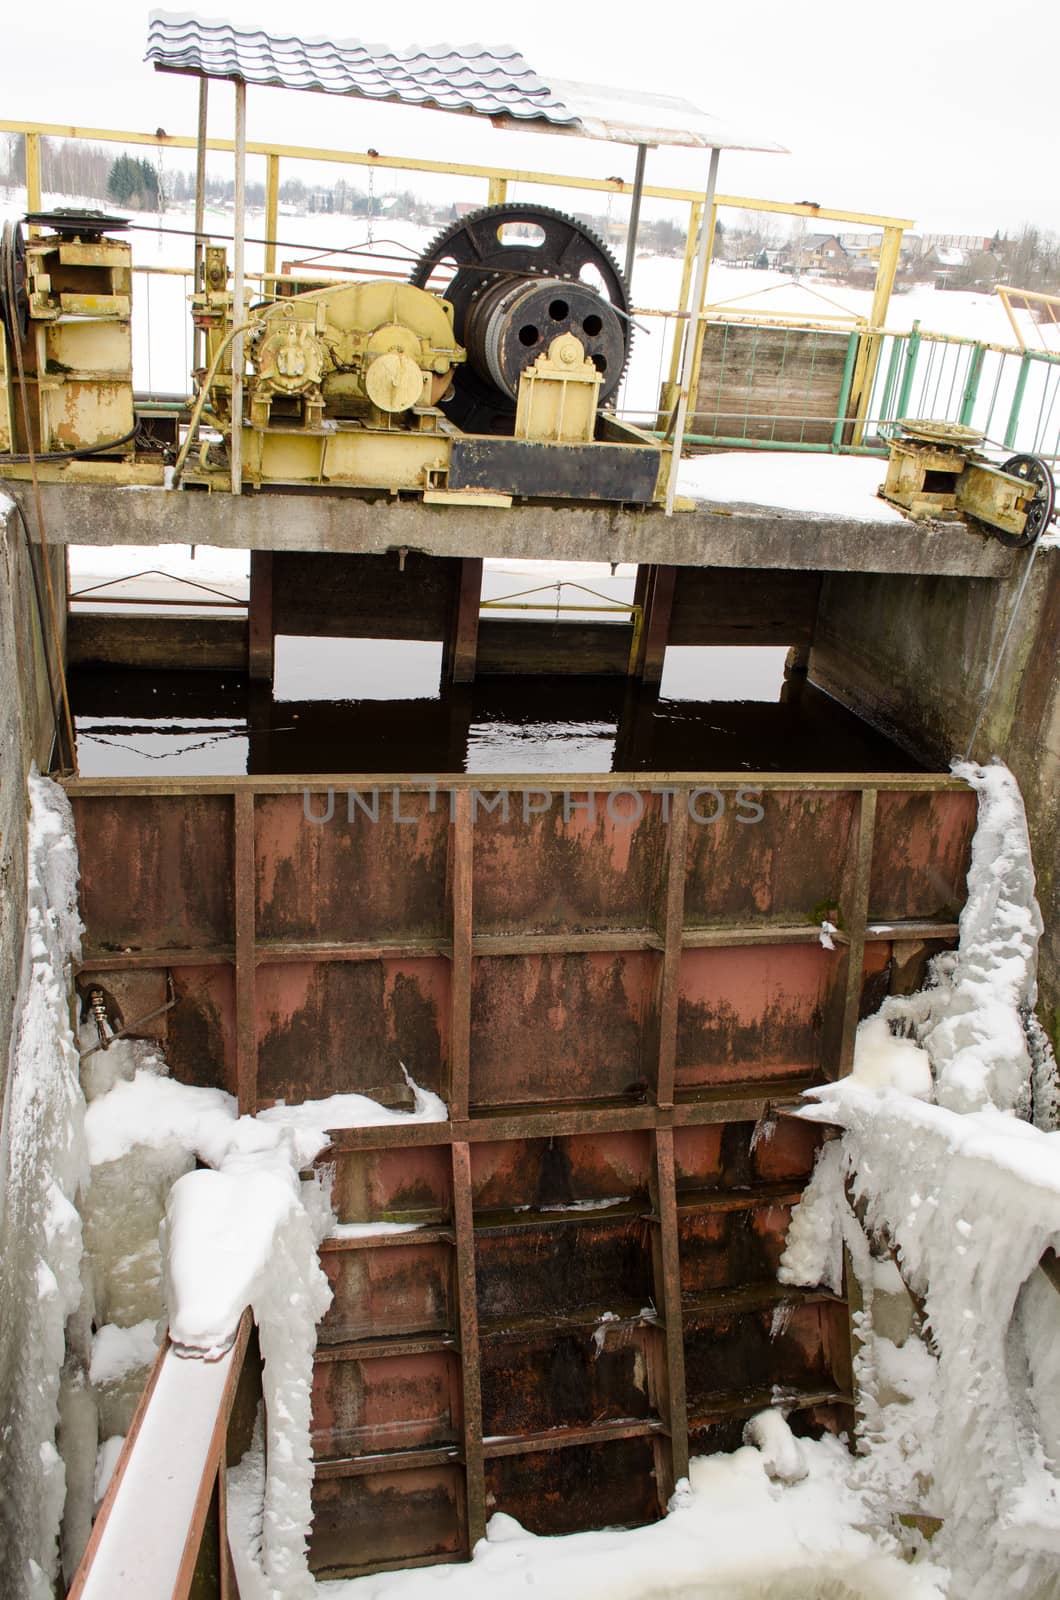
(162, 324)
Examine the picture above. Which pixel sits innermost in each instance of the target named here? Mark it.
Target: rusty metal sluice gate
(618, 1000)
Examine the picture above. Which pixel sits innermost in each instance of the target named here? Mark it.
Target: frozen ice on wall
(970, 1019)
(241, 1230)
(44, 1166)
(945, 1193)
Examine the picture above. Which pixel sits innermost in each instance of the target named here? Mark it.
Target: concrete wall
(914, 655)
(25, 736)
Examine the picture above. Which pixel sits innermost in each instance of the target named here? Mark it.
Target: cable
(81, 454)
(57, 721)
(16, 343)
(988, 691)
(196, 415)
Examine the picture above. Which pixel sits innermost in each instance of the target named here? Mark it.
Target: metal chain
(371, 205)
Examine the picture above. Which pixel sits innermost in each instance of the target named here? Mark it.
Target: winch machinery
(512, 333)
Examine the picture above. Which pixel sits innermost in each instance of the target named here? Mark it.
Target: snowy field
(162, 325)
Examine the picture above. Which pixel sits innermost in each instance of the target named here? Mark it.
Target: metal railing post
(33, 177)
(1017, 401)
(272, 213)
(912, 351)
(971, 386)
(844, 390)
(239, 220)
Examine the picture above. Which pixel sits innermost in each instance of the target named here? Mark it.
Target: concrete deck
(709, 536)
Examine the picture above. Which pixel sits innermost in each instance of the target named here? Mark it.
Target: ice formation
(40, 1230)
(242, 1229)
(947, 1199)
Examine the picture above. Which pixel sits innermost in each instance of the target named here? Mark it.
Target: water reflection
(131, 723)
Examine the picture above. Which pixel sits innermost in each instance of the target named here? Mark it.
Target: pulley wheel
(14, 292)
(1036, 472)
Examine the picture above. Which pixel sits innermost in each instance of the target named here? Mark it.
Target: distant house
(946, 262)
(862, 248)
(820, 250)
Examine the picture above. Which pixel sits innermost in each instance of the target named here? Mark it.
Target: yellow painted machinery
(485, 376)
(936, 469)
(66, 298)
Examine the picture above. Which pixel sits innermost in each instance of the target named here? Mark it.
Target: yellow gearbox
(370, 351)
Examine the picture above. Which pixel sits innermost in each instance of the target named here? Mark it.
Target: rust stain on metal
(387, 1292)
(746, 1015)
(155, 873)
(602, 869)
(566, 1491)
(402, 1184)
(780, 867)
(559, 1170)
(388, 1519)
(548, 1379)
(351, 877)
(386, 1403)
(553, 1028)
(336, 1027)
(923, 850)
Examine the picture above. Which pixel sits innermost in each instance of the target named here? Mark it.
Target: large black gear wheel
(504, 318)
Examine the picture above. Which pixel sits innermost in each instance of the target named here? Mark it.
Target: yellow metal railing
(497, 180)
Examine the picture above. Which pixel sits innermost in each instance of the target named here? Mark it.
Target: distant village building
(820, 250)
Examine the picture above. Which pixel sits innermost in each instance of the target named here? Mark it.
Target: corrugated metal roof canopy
(488, 81)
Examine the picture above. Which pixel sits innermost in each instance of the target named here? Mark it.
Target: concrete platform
(737, 535)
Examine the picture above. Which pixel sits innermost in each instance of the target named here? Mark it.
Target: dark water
(132, 723)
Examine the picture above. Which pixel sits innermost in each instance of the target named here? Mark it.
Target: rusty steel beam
(261, 638)
(855, 930)
(733, 1103)
(462, 643)
(667, 1269)
(471, 1407)
(246, 1007)
(490, 783)
(460, 844)
(386, 1460)
(569, 1438)
(670, 975)
(721, 936)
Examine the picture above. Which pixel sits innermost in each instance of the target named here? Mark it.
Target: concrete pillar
(461, 646)
(261, 639)
(654, 593)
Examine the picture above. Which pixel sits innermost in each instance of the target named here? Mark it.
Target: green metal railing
(1009, 395)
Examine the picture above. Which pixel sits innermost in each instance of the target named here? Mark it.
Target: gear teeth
(515, 212)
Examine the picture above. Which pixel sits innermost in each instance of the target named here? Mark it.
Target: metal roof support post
(699, 291)
(200, 215)
(238, 308)
(634, 211)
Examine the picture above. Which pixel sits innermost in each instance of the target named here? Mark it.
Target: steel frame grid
(665, 1109)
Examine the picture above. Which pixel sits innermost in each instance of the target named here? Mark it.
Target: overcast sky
(932, 111)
